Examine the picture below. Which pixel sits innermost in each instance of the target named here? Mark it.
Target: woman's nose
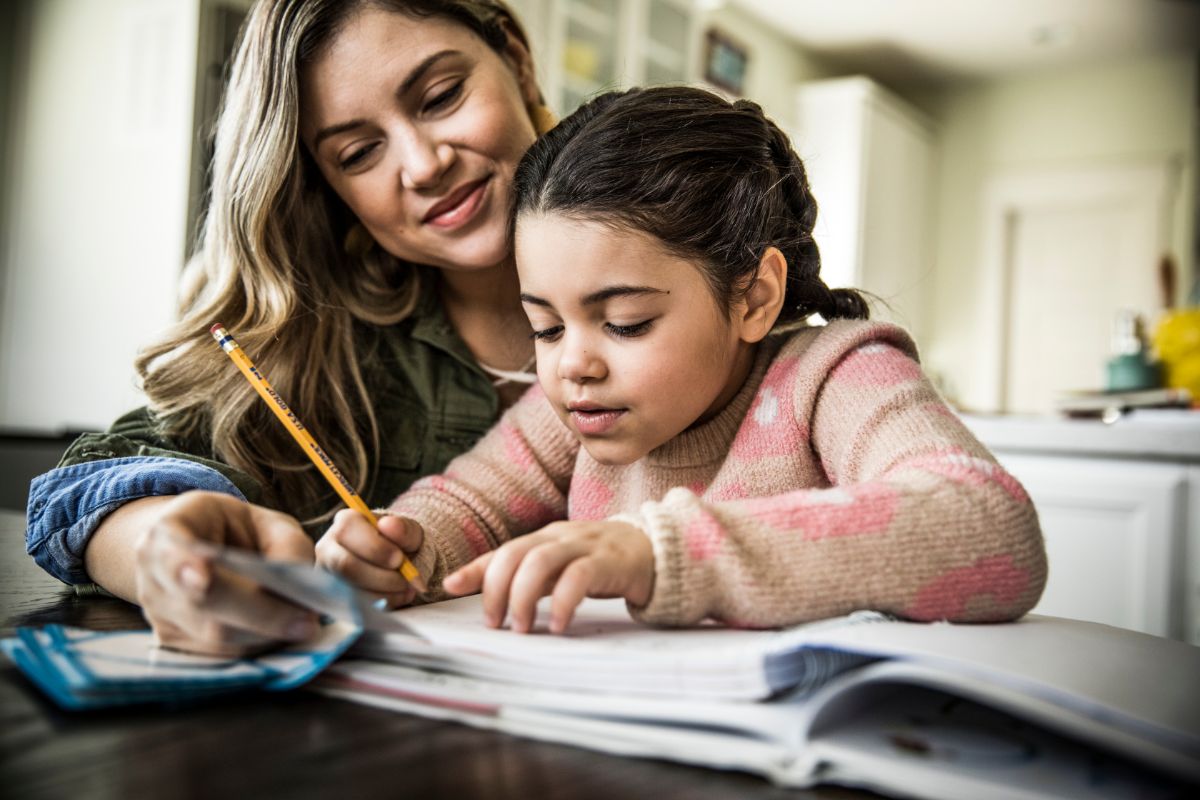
(424, 160)
(579, 363)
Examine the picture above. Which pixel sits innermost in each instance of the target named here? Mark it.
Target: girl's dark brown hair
(716, 182)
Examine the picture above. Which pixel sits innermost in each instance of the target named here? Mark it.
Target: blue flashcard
(82, 669)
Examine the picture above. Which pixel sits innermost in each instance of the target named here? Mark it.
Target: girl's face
(418, 126)
(631, 347)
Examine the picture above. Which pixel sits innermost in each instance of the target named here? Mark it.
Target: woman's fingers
(279, 535)
(237, 602)
(205, 608)
(195, 605)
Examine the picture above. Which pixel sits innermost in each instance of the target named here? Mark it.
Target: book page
(910, 740)
(605, 650)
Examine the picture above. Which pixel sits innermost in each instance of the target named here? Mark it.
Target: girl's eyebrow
(409, 81)
(607, 293)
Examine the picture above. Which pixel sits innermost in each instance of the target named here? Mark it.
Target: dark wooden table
(291, 745)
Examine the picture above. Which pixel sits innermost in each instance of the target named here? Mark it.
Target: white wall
(98, 206)
(1125, 111)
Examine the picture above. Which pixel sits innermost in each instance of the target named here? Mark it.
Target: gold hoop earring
(357, 242)
(543, 119)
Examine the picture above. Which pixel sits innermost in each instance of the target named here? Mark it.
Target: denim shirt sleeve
(67, 504)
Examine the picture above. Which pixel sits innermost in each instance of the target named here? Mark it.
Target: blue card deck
(82, 669)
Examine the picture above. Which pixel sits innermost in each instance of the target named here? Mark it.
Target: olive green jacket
(432, 403)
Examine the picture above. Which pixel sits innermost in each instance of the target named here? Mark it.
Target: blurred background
(1006, 176)
(1015, 180)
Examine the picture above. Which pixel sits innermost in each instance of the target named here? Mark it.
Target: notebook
(1043, 707)
(1059, 707)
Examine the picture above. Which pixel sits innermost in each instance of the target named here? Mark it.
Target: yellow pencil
(296, 428)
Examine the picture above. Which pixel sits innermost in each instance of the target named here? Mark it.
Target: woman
(356, 245)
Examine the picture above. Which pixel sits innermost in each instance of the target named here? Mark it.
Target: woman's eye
(445, 98)
(629, 331)
(357, 157)
(548, 334)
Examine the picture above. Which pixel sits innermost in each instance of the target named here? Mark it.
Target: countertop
(1165, 435)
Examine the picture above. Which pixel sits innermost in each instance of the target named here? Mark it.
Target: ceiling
(935, 42)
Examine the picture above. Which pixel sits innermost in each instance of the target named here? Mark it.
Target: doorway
(1074, 248)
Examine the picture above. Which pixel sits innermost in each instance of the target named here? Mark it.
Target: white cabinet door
(1116, 537)
(869, 157)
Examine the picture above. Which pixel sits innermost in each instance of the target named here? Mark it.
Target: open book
(1039, 708)
(1044, 707)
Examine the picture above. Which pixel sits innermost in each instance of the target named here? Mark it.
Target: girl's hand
(566, 560)
(370, 558)
(194, 604)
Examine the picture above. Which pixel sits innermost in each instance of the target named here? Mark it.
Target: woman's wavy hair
(271, 266)
(716, 182)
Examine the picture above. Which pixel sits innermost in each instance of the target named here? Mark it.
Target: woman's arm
(109, 555)
(126, 512)
(157, 552)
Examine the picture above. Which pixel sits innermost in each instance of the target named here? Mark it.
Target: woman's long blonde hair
(272, 268)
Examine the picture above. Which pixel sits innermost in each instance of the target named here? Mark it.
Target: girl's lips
(461, 209)
(596, 422)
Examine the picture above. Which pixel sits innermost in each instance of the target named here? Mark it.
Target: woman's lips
(596, 421)
(458, 208)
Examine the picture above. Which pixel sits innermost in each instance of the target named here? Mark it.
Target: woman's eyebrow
(413, 77)
(607, 293)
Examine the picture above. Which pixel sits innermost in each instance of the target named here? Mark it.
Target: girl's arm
(919, 521)
(513, 481)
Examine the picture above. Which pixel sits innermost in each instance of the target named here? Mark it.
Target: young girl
(695, 447)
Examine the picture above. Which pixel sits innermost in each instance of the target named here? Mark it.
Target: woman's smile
(458, 207)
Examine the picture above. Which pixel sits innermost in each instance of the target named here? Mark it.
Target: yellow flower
(1177, 341)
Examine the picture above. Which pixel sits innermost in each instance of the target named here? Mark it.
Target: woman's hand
(195, 604)
(370, 558)
(566, 560)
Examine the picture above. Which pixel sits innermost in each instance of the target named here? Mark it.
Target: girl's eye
(548, 334)
(357, 157)
(445, 98)
(629, 331)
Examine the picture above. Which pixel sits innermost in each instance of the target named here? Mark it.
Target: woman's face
(418, 126)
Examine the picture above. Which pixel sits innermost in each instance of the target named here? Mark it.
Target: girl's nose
(424, 161)
(579, 363)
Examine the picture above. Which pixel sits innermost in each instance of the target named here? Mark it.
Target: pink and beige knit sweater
(836, 480)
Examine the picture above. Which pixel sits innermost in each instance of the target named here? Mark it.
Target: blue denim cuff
(67, 504)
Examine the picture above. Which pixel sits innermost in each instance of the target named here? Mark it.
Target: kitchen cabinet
(869, 155)
(1120, 510)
